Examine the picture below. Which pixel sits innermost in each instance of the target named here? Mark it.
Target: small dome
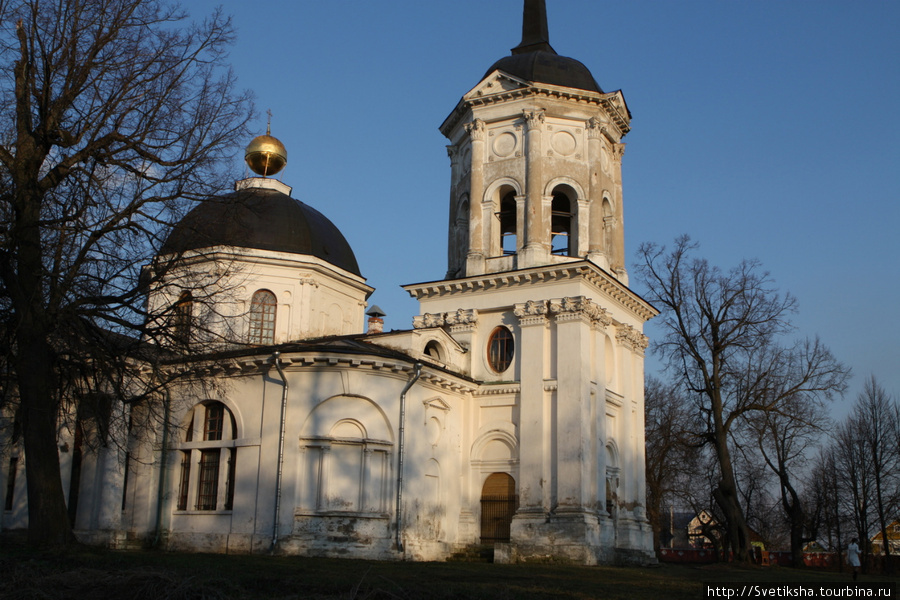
(547, 67)
(263, 219)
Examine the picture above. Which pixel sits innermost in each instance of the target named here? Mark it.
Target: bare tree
(120, 115)
(824, 501)
(875, 414)
(720, 338)
(783, 439)
(668, 430)
(855, 481)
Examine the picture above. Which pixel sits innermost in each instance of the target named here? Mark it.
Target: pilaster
(477, 221)
(536, 249)
(596, 243)
(533, 447)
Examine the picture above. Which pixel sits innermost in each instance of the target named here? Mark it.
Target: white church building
(510, 415)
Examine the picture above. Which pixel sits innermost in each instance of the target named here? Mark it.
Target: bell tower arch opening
(563, 227)
(508, 225)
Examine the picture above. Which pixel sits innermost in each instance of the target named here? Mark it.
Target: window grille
(208, 488)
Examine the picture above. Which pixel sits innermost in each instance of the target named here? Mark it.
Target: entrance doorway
(498, 505)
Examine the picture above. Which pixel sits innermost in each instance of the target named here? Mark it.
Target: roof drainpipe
(284, 394)
(400, 439)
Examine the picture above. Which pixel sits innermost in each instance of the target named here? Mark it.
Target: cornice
(588, 271)
(257, 365)
(608, 102)
(262, 258)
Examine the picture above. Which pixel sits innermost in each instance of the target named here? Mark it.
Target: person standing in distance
(853, 557)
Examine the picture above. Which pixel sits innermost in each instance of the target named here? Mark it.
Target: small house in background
(893, 534)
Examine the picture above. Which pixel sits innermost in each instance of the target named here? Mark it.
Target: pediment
(437, 403)
(497, 82)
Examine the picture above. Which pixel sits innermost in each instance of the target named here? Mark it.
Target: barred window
(208, 487)
(212, 483)
(262, 318)
(185, 480)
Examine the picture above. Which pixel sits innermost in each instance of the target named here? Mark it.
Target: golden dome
(265, 155)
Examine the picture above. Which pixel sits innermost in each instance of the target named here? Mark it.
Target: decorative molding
(436, 403)
(630, 337)
(532, 312)
(533, 119)
(460, 319)
(602, 280)
(498, 389)
(462, 316)
(428, 320)
(476, 129)
(571, 308)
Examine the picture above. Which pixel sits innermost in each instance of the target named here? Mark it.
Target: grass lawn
(91, 574)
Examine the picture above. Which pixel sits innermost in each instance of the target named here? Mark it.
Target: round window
(500, 349)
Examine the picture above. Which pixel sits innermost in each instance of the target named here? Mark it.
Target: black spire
(535, 33)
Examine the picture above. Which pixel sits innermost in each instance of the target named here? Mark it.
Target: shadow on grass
(100, 575)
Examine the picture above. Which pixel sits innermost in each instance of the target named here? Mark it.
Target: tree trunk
(48, 519)
(796, 516)
(726, 494)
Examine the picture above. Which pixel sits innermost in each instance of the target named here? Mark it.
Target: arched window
(262, 318)
(182, 318)
(434, 350)
(561, 224)
(213, 483)
(500, 349)
(508, 223)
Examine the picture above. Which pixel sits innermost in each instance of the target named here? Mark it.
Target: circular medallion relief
(504, 144)
(563, 142)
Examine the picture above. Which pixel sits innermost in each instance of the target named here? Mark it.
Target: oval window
(500, 349)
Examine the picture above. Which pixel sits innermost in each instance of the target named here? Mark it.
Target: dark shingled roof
(535, 60)
(263, 219)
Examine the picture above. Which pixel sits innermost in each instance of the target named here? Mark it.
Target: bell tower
(536, 151)
(537, 294)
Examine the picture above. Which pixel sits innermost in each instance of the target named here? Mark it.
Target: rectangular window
(11, 482)
(208, 488)
(185, 479)
(215, 420)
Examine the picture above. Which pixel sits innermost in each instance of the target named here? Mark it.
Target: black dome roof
(263, 219)
(535, 60)
(541, 66)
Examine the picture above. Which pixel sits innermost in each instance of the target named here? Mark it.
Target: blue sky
(764, 129)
